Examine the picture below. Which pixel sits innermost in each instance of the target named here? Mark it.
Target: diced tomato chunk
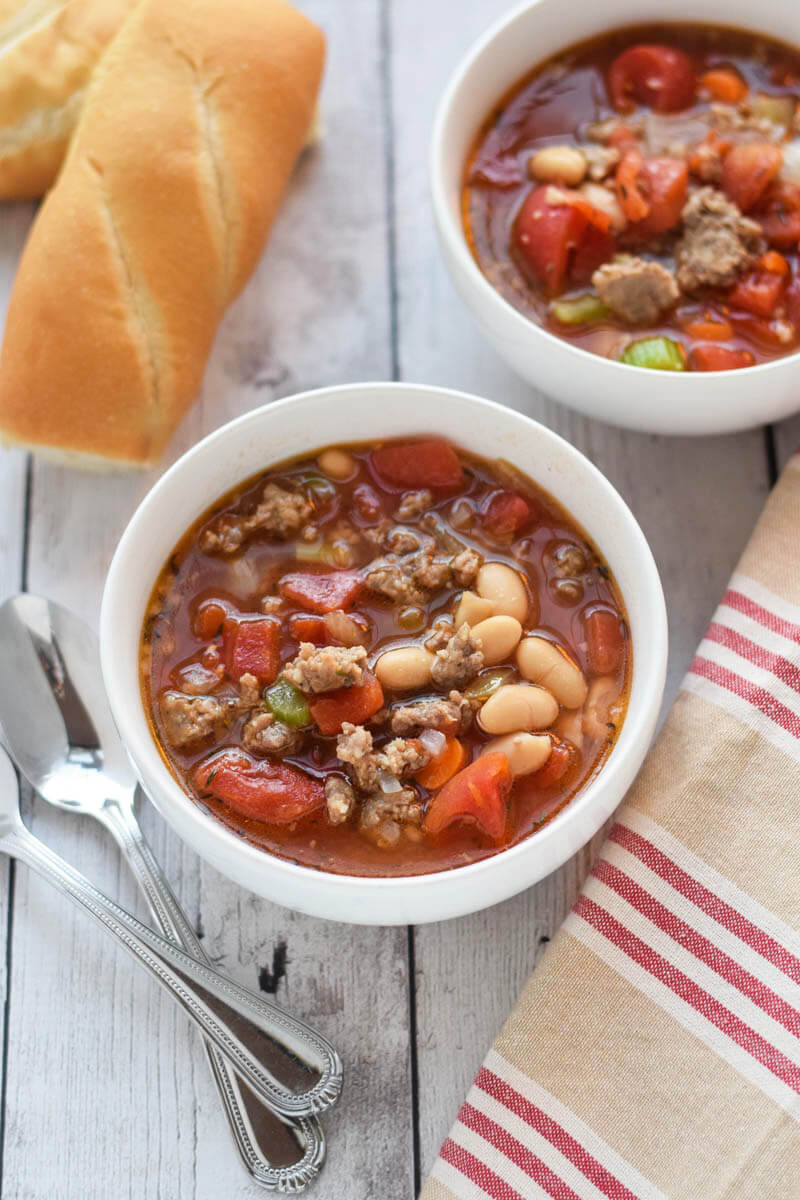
(718, 358)
(660, 76)
(251, 647)
(444, 766)
(305, 628)
(758, 292)
(258, 788)
(356, 705)
(747, 171)
(431, 463)
(478, 793)
(507, 515)
(594, 249)
(562, 757)
(665, 181)
(321, 591)
(779, 215)
(652, 191)
(605, 641)
(208, 618)
(545, 235)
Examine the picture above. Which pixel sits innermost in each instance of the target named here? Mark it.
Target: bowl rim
(451, 230)
(637, 727)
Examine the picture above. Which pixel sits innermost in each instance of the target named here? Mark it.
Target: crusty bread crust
(48, 50)
(192, 123)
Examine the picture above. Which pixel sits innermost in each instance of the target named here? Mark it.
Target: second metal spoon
(74, 758)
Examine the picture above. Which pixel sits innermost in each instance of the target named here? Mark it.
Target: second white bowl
(653, 401)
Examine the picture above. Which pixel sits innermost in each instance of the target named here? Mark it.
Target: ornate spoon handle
(255, 1139)
(219, 1006)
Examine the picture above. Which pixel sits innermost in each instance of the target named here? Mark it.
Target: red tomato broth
(553, 105)
(191, 579)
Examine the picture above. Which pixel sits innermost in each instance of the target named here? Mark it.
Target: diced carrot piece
(207, 620)
(604, 641)
(747, 171)
(444, 766)
(431, 463)
(629, 192)
(719, 358)
(251, 647)
(477, 793)
(724, 85)
(760, 292)
(305, 628)
(507, 515)
(774, 262)
(709, 330)
(258, 788)
(562, 757)
(321, 592)
(355, 704)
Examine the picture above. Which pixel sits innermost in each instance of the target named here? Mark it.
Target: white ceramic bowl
(654, 401)
(364, 412)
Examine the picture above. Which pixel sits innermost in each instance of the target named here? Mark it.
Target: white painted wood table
(105, 1094)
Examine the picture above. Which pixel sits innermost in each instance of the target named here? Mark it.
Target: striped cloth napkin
(655, 1052)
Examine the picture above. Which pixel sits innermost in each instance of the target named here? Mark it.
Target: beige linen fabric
(655, 1052)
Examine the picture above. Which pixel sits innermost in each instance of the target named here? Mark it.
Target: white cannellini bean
(498, 636)
(404, 668)
(504, 587)
(543, 662)
(518, 708)
(472, 609)
(526, 752)
(338, 464)
(601, 707)
(557, 163)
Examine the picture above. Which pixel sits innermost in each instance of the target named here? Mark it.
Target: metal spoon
(55, 715)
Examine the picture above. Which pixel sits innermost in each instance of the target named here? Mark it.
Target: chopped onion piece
(389, 783)
(433, 741)
(790, 171)
(344, 628)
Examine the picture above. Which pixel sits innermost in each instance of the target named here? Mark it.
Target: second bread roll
(48, 50)
(191, 126)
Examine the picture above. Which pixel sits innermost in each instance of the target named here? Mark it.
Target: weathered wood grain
(98, 1058)
(696, 499)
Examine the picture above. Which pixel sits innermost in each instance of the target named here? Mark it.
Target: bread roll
(48, 50)
(192, 123)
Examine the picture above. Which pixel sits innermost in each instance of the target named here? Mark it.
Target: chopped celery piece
(779, 110)
(482, 687)
(580, 310)
(317, 551)
(411, 618)
(287, 703)
(657, 353)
